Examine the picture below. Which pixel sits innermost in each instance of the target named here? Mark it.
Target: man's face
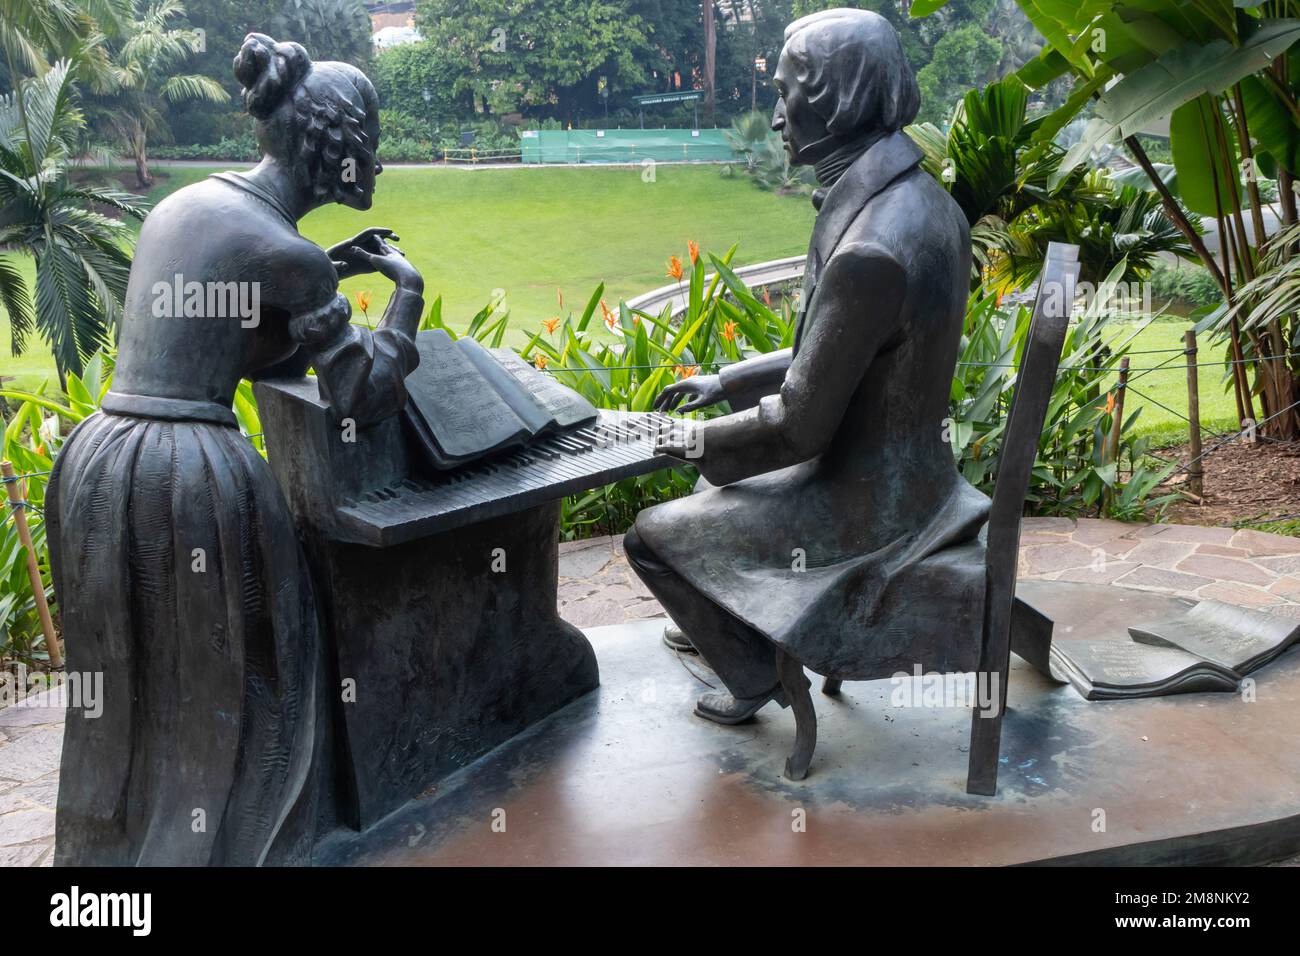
(799, 125)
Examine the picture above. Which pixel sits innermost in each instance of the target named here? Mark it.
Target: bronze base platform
(627, 776)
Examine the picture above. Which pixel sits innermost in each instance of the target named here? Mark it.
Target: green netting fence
(625, 145)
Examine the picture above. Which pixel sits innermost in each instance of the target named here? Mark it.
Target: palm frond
(194, 87)
(17, 301)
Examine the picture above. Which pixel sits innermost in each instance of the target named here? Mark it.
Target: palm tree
(81, 261)
(145, 79)
(1020, 41)
(30, 30)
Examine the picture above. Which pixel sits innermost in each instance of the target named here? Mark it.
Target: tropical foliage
(145, 79)
(1007, 180)
(32, 435)
(1227, 75)
(81, 264)
(764, 155)
(1079, 469)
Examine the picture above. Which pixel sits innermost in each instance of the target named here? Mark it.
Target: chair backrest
(1033, 392)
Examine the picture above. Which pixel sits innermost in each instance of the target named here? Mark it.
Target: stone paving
(597, 587)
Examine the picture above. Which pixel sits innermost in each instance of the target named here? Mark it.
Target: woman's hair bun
(268, 72)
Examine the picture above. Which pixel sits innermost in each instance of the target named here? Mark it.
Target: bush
(394, 124)
(1187, 283)
(405, 151)
(242, 148)
(765, 158)
(724, 321)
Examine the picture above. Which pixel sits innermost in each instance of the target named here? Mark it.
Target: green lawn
(1168, 386)
(533, 231)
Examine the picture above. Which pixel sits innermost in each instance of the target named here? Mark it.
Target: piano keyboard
(620, 445)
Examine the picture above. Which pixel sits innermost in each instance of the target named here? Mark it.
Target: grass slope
(531, 232)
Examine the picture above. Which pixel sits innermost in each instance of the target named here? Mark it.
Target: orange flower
(363, 300)
(685, 371)
(693, 248)
(550, 325)
(729, 331)
(674, 268)
(540, 361)
(1110, 403)
(611, 321)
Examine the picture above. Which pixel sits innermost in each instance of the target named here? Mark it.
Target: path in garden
(597, 587)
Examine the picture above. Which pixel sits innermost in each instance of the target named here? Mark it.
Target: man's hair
(850, 65)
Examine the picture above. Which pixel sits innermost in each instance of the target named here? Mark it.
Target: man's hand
(683, 439)
(347, 255)
(698, 391)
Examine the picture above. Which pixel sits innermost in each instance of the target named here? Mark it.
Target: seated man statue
(830, 520)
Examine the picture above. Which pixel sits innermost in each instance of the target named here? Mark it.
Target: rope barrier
(30, 474)
(1231, 438)
(1142, 370)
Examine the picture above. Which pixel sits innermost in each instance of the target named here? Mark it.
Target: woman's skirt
(180, 579)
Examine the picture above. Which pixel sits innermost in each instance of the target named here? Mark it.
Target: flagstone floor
(597, 587)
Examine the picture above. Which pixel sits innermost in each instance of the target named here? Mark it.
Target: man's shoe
(721, 708)
(678, 641)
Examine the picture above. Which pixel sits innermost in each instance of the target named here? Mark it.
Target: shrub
(724, 321)
(1188, 283)
(405, 151)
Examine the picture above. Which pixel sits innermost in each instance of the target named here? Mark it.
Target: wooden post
(1117, 417)
(1195, 472)
(19, 507)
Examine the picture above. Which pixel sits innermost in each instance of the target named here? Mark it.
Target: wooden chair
(1003, 629)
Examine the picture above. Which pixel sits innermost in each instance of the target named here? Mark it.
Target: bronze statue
(829, 506)
(179, 573)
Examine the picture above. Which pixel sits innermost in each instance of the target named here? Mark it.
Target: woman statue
(831, 521)
(177, 567)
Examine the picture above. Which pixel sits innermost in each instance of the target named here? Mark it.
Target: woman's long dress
(206, 637)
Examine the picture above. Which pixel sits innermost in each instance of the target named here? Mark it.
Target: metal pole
(1195, 470)
(19, 507)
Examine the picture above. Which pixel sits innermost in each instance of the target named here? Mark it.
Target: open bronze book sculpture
(831, 528)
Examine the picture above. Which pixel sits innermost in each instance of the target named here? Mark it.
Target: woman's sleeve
(361, 373)
(858, 308)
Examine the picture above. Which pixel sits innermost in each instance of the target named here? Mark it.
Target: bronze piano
(437, 590)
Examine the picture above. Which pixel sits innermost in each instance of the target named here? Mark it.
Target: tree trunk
(710, 60)
(139, 146)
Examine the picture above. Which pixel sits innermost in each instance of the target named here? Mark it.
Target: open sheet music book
(1236, 638)
(1211, 646)
(1115, 643)
(466, 401)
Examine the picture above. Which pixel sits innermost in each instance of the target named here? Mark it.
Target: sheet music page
(463, 411)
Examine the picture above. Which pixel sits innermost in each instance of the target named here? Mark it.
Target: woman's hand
(376, 254)
(698, 391)
(347, 255)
